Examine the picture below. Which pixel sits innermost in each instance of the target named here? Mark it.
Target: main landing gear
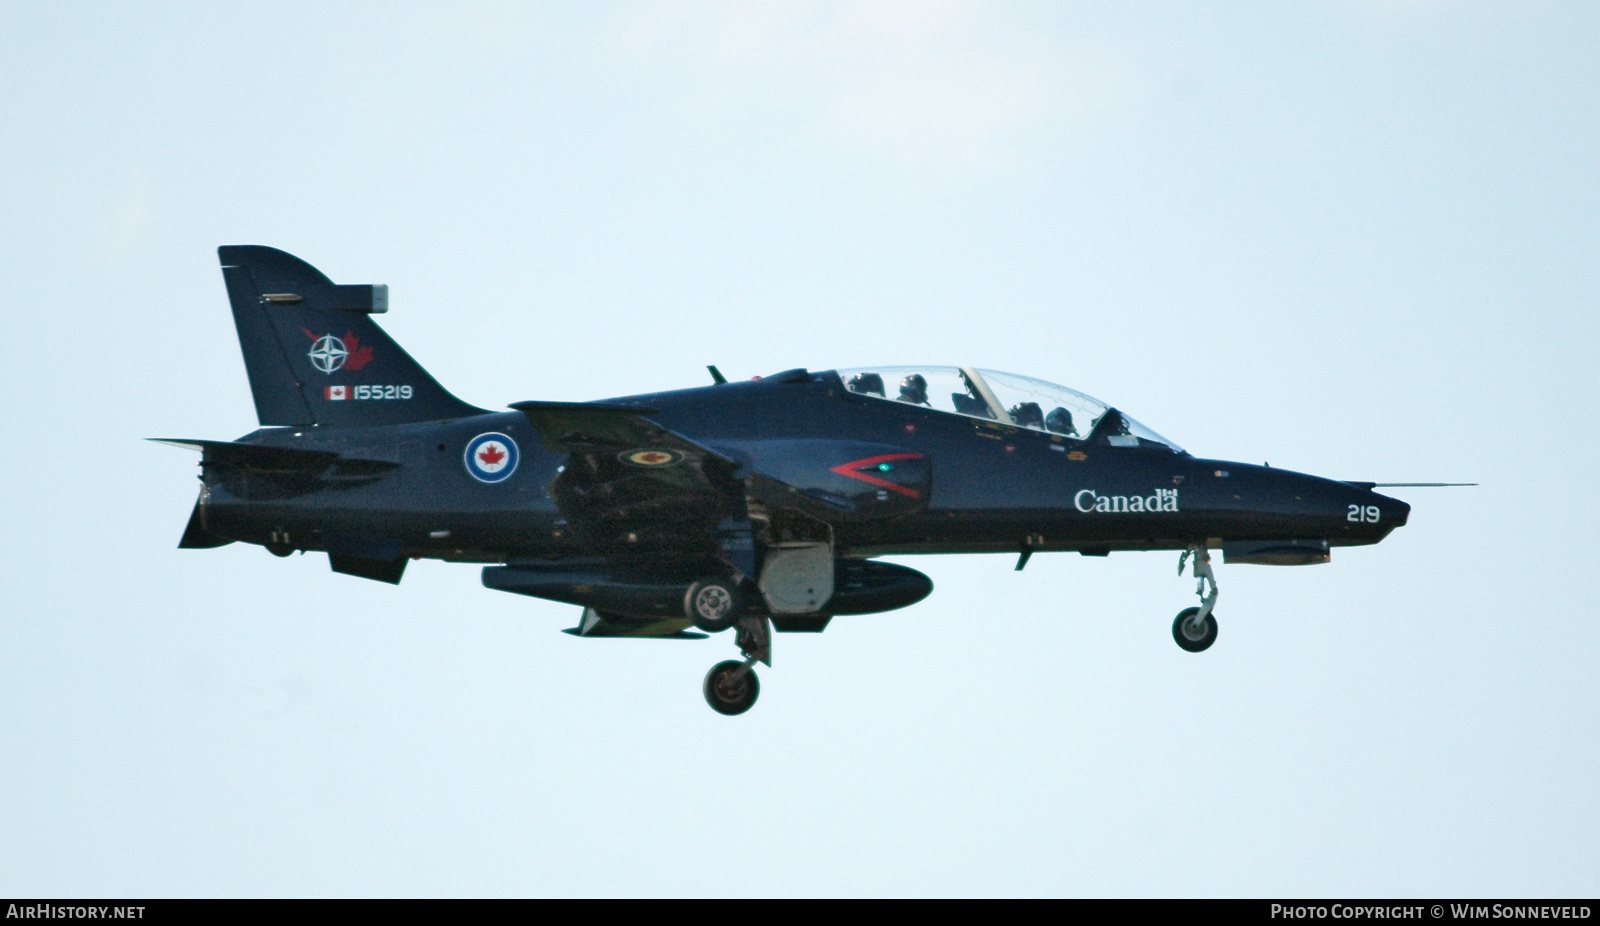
(714, 604)
(1195, 629)
(731, 687)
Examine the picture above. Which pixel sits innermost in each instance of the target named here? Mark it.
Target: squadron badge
(331, 354)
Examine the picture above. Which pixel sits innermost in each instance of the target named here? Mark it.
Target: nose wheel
(1195, 629)
(1194, 633)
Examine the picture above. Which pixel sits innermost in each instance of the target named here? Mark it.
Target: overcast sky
(1356, 239)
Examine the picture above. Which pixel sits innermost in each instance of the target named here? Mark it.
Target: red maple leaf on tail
(358, 356)
(490, 455)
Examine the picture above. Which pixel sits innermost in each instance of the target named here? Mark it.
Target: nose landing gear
(1195, 629)
(731, 687)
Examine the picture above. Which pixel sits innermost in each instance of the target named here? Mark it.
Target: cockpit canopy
(1005, 397)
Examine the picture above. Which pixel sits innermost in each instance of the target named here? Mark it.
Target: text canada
(1088, 500)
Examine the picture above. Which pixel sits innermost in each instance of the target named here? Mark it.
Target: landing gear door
(797, 578)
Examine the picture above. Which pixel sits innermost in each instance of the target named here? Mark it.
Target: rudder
(313, 353)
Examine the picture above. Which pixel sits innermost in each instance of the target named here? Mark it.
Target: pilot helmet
(1060, 421)
(1027, 415)
(914, 389)
(866, 384)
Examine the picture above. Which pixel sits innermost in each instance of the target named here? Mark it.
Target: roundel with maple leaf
(491, 457)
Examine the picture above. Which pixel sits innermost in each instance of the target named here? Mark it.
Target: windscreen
(1035, 403)
(996, 396)
(944, 389)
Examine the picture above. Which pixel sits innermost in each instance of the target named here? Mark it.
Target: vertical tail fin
(313, 353)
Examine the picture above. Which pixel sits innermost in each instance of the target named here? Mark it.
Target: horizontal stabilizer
(261, 458)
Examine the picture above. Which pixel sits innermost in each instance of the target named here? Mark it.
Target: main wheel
(729, 690)
(1192, 637)
(713, 604)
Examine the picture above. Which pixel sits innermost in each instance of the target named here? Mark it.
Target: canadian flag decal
(336, 393)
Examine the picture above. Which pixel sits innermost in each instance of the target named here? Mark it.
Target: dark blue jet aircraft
(749, 506)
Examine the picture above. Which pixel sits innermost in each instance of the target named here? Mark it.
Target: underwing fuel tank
(629, 589)
(860, 586)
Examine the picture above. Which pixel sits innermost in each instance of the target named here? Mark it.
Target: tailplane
(313, 353)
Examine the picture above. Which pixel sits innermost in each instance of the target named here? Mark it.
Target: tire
(713, 604)
(1181, 630)
(727, 695)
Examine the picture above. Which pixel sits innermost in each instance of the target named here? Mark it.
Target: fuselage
(742, 508)
(994, 487)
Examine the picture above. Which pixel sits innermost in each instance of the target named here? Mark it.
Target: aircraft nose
(1394, 510)
(1373, 512)
(1382, 510)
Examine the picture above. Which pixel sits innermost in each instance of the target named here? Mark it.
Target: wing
(628, 479)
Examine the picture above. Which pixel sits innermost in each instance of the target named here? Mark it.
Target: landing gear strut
(731, 687)
(1195, 629)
